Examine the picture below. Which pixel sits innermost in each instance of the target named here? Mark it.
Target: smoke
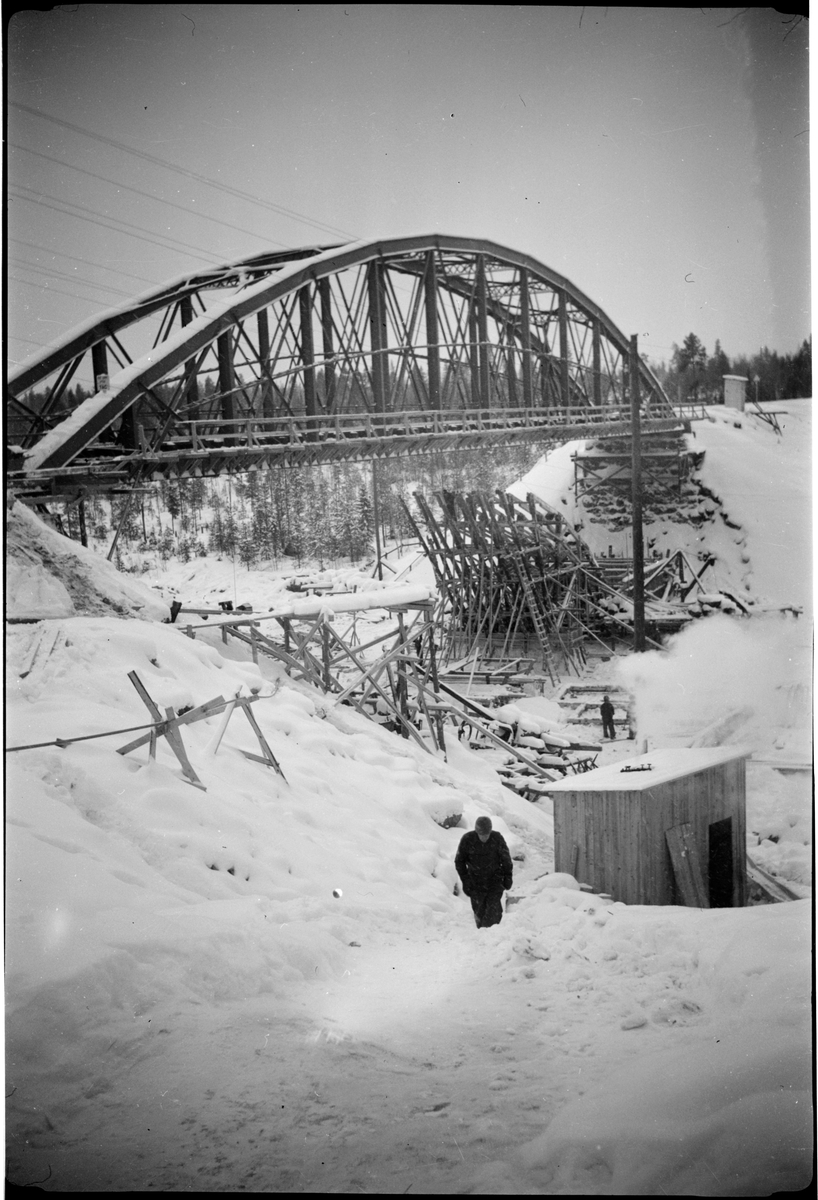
(725, 682)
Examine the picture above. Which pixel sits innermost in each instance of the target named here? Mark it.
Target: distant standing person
(485, 869)
(607, 711)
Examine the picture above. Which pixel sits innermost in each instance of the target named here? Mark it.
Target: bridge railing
(204, 433)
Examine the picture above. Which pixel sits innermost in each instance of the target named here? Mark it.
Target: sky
(658, 158)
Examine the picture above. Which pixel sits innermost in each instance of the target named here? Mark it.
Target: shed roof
(665, 765)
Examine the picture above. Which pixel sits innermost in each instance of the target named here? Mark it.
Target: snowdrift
(50, 576)
(761, 488)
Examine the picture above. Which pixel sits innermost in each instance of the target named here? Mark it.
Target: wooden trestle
(515, 573)
(398, 689)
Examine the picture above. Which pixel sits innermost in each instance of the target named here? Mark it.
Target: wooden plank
(143, 693)
(220, 732)
(684, 856)
(255, 757)
(269, 757)
(42, 647)
(777, 891)
(209, 709)
(174, 738)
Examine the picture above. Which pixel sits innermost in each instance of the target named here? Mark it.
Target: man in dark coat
(607, 712)
(484, 866)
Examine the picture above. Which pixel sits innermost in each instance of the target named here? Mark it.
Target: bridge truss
(324, 354)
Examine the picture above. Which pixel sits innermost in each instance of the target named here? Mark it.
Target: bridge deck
(214, 447)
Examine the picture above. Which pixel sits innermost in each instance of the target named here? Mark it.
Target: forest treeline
(692, 374)
(318, 514)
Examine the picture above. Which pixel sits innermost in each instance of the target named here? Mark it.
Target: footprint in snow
(677, 1012)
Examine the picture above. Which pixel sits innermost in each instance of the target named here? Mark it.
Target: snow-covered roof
(633, 775)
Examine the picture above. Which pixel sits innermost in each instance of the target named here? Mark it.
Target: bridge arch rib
(303, 342)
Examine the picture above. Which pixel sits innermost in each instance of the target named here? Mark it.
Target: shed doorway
(720, 863)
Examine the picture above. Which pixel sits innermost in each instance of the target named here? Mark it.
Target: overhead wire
(84, 261)
(57, 291)
(280, 209)
(54, 274)
(42, 199)
(159, 199)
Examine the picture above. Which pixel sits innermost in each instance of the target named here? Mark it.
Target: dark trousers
(487, 906)
(608, 727)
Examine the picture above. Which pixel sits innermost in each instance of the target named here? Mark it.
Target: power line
(52, 274)
(138, 191)
(86, 262)
(58, 292)
(13, 337)
(223, 187)
(42, 198)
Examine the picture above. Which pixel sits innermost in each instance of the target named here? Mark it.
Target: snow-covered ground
(191, 1006)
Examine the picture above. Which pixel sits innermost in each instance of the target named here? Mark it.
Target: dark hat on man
(483, 824)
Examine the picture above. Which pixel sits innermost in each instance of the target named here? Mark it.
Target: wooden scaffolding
(514, 576)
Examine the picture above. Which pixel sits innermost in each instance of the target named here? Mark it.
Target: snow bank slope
(763, 481)
(128, 886)
(50, 576)
(727, 1110)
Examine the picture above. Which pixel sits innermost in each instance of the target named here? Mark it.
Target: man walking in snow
(607, 711)
(484, 866)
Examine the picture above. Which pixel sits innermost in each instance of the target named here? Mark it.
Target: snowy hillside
(271, 985)
(757, 488)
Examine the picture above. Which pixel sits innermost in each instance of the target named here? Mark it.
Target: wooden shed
(664, 828)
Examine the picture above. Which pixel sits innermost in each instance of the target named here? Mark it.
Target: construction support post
(325, 657)
(403, 697)
(83, 527)
(435, 683)
(376, 516)
(636, 502)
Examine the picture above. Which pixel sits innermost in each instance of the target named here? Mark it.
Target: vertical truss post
(99, 361)
(262, 324)
(636, 498)
(377, 335)
(474, 358)
(99, 366)
(511, 370)
(326, 334)
(565, 396)
(525, 338)
(226, 381)
(597, 367)
(483, 333)
(192, 394)
(307, 349)
(432, 334)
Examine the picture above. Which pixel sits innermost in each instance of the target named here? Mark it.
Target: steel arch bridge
(321, 354)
